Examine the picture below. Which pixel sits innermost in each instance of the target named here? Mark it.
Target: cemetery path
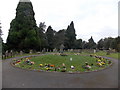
(18, 78)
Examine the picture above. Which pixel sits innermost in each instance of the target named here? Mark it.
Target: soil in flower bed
(69, 63)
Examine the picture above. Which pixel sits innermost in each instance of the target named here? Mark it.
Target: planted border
(22, 63)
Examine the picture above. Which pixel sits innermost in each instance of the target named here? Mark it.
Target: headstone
(21, 52)
(38, 52)
(6, 54)
(54, 50)
(44, 49)
(31, 51)
(61, 48)
(3, 56)
(94, 51)
(11, 53)
(71, 50)
(108, 52)
(47, 50)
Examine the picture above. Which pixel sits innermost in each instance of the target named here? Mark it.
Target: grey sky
(97, 18)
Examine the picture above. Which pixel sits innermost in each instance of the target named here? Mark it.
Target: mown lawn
(57, 60)
(113, 55)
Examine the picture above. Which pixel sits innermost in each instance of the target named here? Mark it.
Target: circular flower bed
(58, 63)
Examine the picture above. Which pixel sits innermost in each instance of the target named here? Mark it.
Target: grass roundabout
(72, 63)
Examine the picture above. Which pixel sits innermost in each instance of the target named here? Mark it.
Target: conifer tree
(70, 37)
(50, 38)
(91, 43)
(0, 40)
(23, 29)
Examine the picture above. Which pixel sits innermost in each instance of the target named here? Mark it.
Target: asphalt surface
(17, 78)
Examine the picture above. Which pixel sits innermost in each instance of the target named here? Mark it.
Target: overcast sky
(97, 18)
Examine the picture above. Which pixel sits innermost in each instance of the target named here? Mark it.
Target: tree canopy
(70, 36)
(25, 35)
(23, 29)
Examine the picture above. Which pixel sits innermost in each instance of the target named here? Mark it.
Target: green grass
(113, 55)
(100, 53)
(78, 61)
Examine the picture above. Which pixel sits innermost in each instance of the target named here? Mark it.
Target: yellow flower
(99, 60)
(102, 63)
(99, 64)
(41, 65)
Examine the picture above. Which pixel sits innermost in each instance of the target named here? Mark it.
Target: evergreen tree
(59, 38)
(100, 44)
(70, 37)
(107, 43)
(23, 29)
(50, 38)
(84, 44)
(41, 35)
(3, 46)
(91, 43)
(0, 40)
(0, 30)
(117, 44)
(78, 44)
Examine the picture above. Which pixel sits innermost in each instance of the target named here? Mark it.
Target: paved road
(18, 78)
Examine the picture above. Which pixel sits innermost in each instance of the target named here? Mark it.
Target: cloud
(97, 18)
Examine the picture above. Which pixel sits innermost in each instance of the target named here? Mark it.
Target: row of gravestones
(10, 53)
(69, 50)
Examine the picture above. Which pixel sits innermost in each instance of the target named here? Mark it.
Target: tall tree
(0, 40)
(41, 35)
(107, 42)
(91, 43)
(59, 38)
(70, 36)
(23, 29)
(117, 44)
(78, 44)
(0, 30)
(50, 38)
(100, 44)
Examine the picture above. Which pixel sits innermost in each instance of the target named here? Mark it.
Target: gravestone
(61, 48)
(31, 51)
(44, 50)
(68, 50)
(71, 50)
(3, 56)
(21, 52)
(94, 51)
(11, 53)
(54, 50)
(108, 52)
(6, 54)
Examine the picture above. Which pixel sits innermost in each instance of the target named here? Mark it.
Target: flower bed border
(60, 72)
